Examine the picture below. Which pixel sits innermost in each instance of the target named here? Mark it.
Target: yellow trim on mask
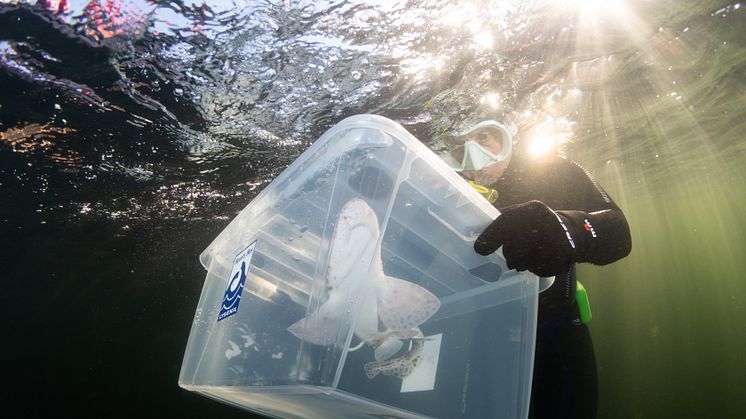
(488, 193)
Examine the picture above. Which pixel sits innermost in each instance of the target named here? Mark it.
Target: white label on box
(236, 281)
(422, 378)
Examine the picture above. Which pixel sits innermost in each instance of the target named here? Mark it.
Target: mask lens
(457, 152)
(489, 138)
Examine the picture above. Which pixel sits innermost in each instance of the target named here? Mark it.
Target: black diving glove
(533, 237)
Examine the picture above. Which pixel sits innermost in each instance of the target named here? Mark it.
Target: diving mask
(482, 145)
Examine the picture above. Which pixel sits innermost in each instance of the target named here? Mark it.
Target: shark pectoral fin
(321, 327)
(404, 305)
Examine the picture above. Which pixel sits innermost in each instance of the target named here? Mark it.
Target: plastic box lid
(349, 287)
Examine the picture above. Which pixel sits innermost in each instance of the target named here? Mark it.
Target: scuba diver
(553, 214)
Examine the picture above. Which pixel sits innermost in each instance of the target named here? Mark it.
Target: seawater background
(132, 132)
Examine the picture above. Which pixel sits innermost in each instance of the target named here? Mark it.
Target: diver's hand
(533, 237)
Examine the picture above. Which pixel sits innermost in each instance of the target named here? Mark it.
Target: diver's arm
(575, 221)
(597, 225)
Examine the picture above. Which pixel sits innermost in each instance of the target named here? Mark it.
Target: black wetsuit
(565, 381)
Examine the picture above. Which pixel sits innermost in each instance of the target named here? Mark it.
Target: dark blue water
(132, 132)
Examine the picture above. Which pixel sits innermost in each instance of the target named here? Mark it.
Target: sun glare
(483, 40)
(547, 138)
(491, 99)
(594, 7)
(602, 18)
(540, 146)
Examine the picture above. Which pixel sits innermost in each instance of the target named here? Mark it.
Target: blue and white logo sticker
(236, 281)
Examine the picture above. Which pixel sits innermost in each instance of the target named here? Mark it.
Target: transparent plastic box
(349, 288)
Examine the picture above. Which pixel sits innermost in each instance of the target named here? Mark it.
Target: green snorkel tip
(584, 306)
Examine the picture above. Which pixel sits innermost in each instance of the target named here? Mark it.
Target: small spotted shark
(391, 309)
(400, 366)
